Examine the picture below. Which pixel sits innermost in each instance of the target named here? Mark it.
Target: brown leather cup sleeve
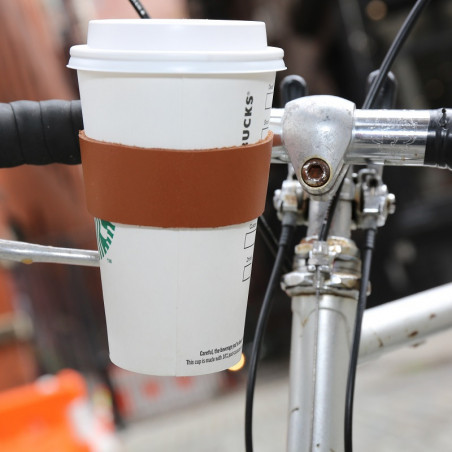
(175, 188)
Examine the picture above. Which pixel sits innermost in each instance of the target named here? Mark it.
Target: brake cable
(140, 9)
(288, 226)
(371, 97)
(371, 231)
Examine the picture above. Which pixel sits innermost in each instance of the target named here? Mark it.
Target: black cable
(139, 8)
(286, 232)
(393, 51)
(366, 265)
(266, 232)
(362, 300)
(329, 214)
(376, 86)
(371, 233)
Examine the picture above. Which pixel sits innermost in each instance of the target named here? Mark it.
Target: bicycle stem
(323, 135)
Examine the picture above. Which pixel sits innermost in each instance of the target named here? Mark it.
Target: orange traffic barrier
(42, 416)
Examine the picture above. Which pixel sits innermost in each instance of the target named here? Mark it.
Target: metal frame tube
(322, 329)
(318, 371)
(29, 253)
(405, 322)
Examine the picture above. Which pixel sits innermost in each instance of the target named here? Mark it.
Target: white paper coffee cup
(175, 299)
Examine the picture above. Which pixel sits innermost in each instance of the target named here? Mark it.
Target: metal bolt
(315, 172)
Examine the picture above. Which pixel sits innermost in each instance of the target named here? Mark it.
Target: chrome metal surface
(279, 153)
(316, 408)
(342, 222)
(318, 127)
(338, 262)
(324, 288)
(29, 253)
(392, 137)
(290, 198)
(317, 211)
(374, 202)
(387, 137)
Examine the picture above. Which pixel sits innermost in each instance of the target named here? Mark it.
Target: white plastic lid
(176, 46)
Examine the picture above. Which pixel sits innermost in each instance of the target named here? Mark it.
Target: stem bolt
(315, 172)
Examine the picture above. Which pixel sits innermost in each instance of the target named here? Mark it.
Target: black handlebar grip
(438, 149)
(39, 133)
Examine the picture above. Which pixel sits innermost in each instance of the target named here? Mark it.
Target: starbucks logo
(104, 233)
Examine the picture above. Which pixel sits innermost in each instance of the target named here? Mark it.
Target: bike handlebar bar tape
(170, 188)
(438, 150)
(39, 133)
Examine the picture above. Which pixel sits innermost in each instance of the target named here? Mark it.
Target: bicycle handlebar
(323, 135)
(39, 133)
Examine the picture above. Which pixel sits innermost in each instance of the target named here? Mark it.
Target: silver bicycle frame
(323, 317)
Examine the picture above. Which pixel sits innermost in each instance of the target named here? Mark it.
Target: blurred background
(51, 317)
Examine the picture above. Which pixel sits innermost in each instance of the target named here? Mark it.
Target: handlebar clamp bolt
(315, 172)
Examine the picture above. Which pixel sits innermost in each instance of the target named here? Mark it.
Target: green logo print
(104, 233)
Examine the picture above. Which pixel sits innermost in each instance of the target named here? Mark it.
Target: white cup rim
(189, 46)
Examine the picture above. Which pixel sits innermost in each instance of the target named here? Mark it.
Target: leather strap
(175, 188)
